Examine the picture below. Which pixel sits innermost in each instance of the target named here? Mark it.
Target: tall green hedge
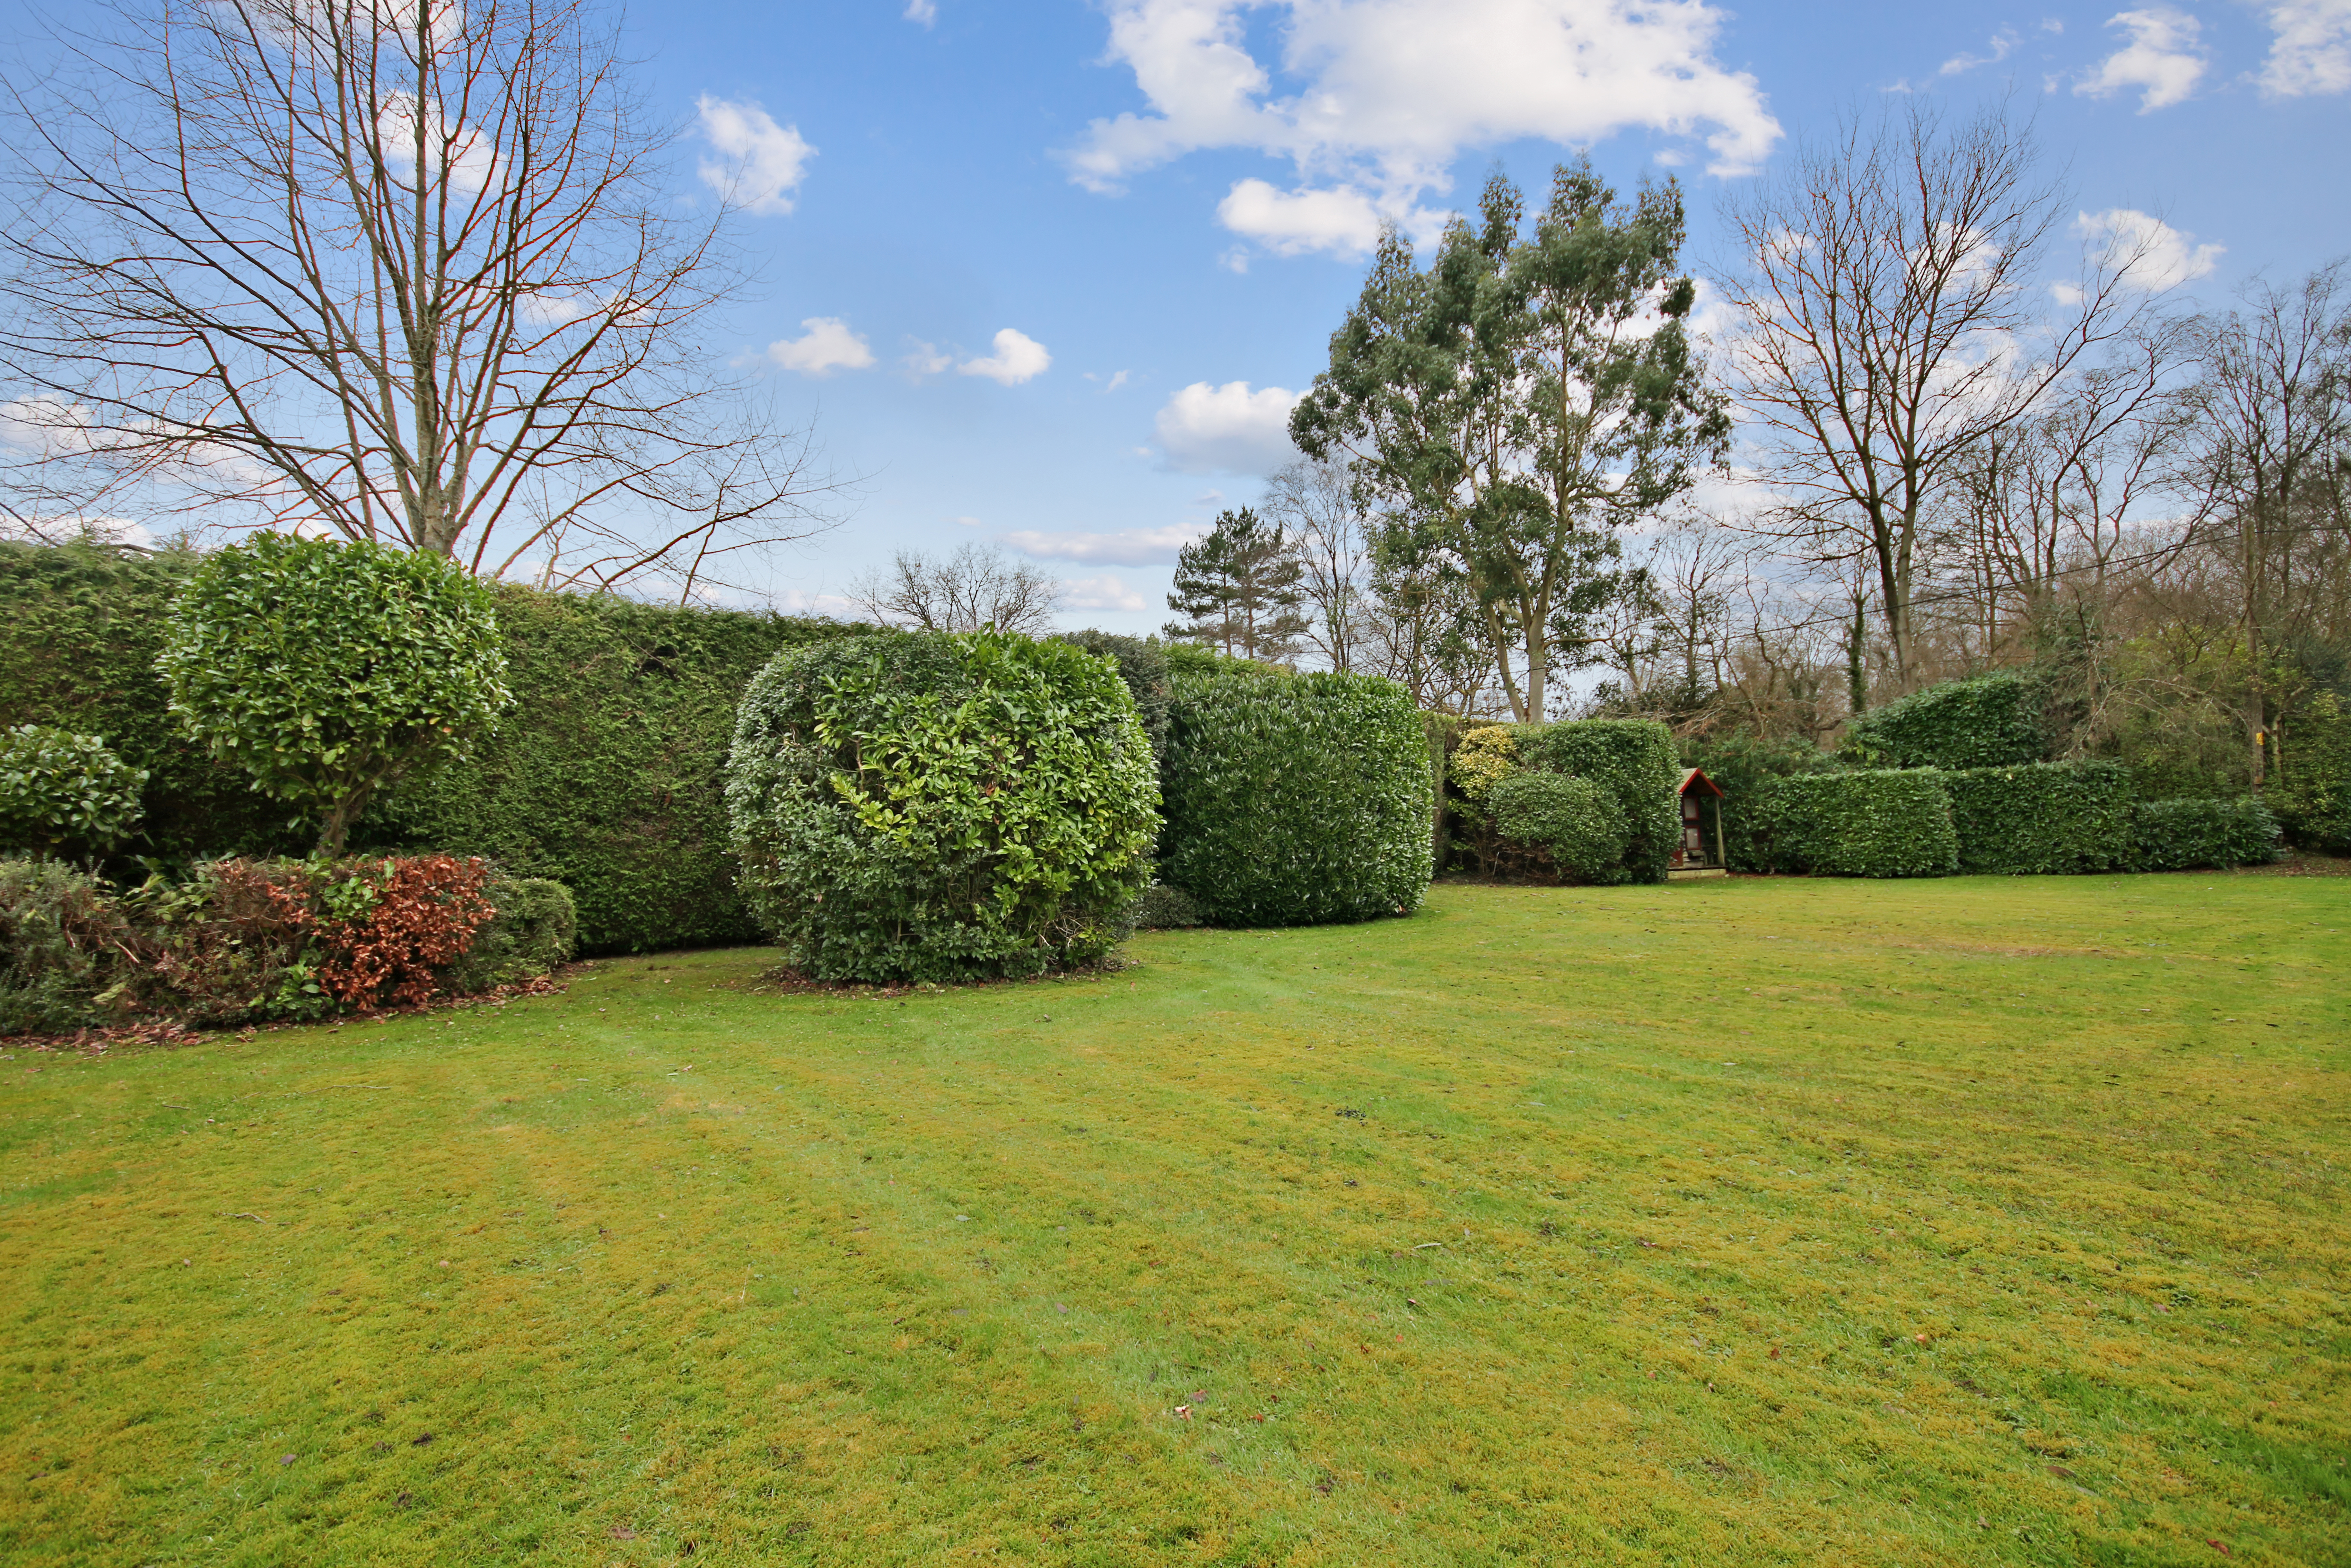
(2182, 835)
(2043, 818)
(2313, 794)
(1634, 761)
(1294, 800)
(1985, 721)
(603, 775)
(1878, 822)
(85, 624)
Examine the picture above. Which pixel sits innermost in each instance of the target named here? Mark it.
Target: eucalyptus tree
(1518, 402)
(414, 270)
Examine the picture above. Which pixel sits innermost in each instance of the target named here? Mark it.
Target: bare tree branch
(408, 270)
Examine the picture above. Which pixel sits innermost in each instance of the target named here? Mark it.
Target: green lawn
(1969, 1221)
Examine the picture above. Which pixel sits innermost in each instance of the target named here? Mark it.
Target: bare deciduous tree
(2272, 448)
(1891, 296)
(974, 587)
(410, 269)
(1316, 502)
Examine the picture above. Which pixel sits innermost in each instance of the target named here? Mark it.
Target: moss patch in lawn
(1746, 1222)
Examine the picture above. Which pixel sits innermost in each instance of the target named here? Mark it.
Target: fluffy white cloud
(923, 11)
(1204, 429)
(1104, 592)
(760, 163)
(1343, 222)
(2152, 253)
(1018, 358)
(826, 346)
(2164, 60)
(1382, 95)
(2312, 51)
(1126, 547)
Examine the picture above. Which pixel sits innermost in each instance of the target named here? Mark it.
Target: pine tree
(1240, 588)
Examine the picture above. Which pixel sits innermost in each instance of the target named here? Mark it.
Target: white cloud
(1380, 95)
(926, 359)
(760, 162)
(1204, 429)
(2152, 255)
(1104, 592)
(1343, 222)
(2312, 51)
(1110, 383)
(1018, 358)
(472, 160)
(2003, 42)
(827, 346)
(924, 11)
(2164, 59)
(1127, 547)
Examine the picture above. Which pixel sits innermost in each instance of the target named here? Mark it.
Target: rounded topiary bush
(1579, 822)
(1295, 800)
(935, 806)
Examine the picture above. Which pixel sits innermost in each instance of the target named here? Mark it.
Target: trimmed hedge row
(1876, 822)
(1294, 800)
(2043, 818)
(2182, 835)
(603, 775)
(1986, 721)
(1635, 761)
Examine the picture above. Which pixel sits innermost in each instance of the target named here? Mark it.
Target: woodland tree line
(1964, 447)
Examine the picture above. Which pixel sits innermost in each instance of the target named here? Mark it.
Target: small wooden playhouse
(1699, 852)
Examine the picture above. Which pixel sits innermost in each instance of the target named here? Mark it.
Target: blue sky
(1046, 274)
(970, 174)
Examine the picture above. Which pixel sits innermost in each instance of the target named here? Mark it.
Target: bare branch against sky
(410, 270)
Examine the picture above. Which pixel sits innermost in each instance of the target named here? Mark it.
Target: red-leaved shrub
(427, 908)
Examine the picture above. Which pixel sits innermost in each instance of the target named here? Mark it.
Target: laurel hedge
(936, 806)
(1985, 721)
(1873, 823)
(2042, 819)
(605, 774)
(1294, 800)
(1635, 761)
(1579, 823)
(2183, 835)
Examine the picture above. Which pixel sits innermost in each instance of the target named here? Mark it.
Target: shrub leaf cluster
(936, 806)
(1295, 800)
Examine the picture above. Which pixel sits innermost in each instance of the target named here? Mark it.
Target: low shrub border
(246, 940)
(2185, 835)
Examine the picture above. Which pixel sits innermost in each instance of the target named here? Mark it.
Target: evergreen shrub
(935, 806)
(2312, 797)
(60, 790)
(1484, 757)
(1634, 761)
(1877, 823)
(2180, 836)
(328, 669)
(1164, 908)
(1142, 665)
(62, 939)
(1984, 721)
(1578, 822)
(1295, 800)
(2042, 819)
(606, 773)
(241, 940)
